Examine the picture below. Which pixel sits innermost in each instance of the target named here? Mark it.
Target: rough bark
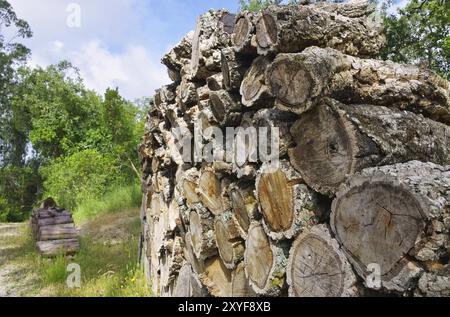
(265, 262)
(289, 29)
(213, 32)
(233, 69)
(172, 260)
(215, 82)
(244, 205)
(274, 119)
(178, 57)
(402, 222)
(351, 9)
(186, 95)
(318, 268)
(288, 206)
(164, 96)
(229, 242)
(431, 285)
(335, 140)
(254, 89)
(300, 80)
(201, 226)
(188, 186)
(225, 108)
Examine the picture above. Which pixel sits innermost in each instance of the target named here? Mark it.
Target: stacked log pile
(54, 230)
(359, 203)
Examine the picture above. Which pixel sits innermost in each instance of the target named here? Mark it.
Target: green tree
(19, 180)
(420, 34)
(59, 115)
(84, 174)
(12, 56)
(19, 188)
(256, 5)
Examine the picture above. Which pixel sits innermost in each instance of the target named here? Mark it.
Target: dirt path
(15, 279)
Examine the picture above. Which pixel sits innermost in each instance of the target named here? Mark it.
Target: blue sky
(119, 42)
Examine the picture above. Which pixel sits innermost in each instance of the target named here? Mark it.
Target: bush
(75, 178)
(117, 199)
(54, 271)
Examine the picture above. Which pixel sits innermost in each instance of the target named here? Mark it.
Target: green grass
(107, 269)
(117, 199)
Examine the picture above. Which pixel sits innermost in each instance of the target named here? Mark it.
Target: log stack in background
(360, 203)
(54, 230)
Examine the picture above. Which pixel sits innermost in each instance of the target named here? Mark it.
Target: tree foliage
(420, 34)
(256, 5)
(12, 55)
(57, 137)
(84, 174)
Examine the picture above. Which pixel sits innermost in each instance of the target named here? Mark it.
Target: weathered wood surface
(201, 225)
(233, 68)
(216, 278)
(179, 57)
(240, 286)
(401, 224)
(225, 108)
(279, 85)
(57, 232)
(244, 205)
(213, 32)
(55, 247)
(53, 230)
(336, 140)
(300, 80)
(254, 89)
(318, 268)
(265, 262)
(287, 204)
(286, 29)
(229, 242)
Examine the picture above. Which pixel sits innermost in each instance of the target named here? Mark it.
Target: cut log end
(242, 31)
(201, 226)
(229, 243)
(265, 262)
(266, 33)
(317, 268)
(287, 205)
(325, 148)
(253, 88)
(290, 83)
(384, 231)
(239, 283)
(276, 198)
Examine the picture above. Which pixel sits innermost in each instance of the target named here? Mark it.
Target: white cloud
(135, 71)
(111, 48)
